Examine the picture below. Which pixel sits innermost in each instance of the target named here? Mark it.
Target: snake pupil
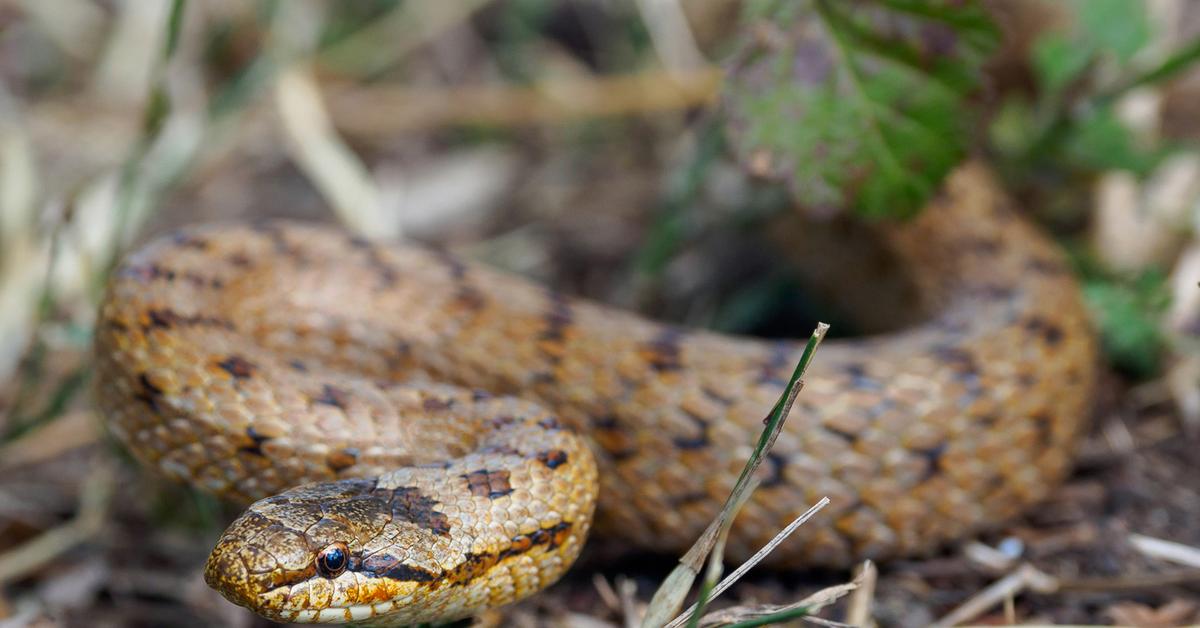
(331, 561)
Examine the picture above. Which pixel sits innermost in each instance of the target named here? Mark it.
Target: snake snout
(253, 558)
(227, 571)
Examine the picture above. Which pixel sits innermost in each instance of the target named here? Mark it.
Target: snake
(428, 437)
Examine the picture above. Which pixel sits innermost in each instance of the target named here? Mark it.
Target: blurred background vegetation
(628, 150)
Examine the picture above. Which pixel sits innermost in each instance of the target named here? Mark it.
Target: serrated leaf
(1059, 60)
(1127, 316)
(1117, 25)
(857, 105)
(1099, 141)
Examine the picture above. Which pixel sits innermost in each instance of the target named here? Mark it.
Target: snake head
(357, 551)
(435, 541)
(312, 554)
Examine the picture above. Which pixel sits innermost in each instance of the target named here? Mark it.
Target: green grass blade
(669, 598)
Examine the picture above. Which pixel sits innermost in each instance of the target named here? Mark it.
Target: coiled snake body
(249, 360)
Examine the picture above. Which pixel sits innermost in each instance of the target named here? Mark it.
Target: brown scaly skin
(250, 359)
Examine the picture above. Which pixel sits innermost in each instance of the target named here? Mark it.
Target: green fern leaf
(857, 104)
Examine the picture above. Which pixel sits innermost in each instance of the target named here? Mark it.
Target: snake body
(460, 424)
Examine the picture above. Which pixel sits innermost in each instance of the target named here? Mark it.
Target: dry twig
(376, 112)
(1166, 550)
(1024, 577)
(859, 611)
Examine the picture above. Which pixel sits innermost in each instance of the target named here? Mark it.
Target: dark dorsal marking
(398, 358)
(550, 423)
(991, 292)
(388, 566)
(273, 233)
(237, 367)
(1046, 266)
(1045, 428)
(238, 260)
(859, 378)
(161, 318)
(472, 566)
(189, 241)
(149, 393)
(542, 378)
(200, 281)
(503, 450)
(551, 536)
(663, 352)
(778, 359)
(469, 298)
(690, 443)
(490, 484)
(613, 438)
(409, 573)
(687, 499)
(409, 504)
(166, 318)
(960, 359)
(557, 318)
(982, 245)
(256, 441)
(694, 442)
(621, 455)
(552, 458)
(343, 459)
(145, 273)
(437, 404)
(774, 466)
(503, 420)
(1050, 333)
(382, 268)
(933, 459)
(716, 396)
(454, 266)
(331, 395)
(965, 365)
(849, 437)
(606, 422)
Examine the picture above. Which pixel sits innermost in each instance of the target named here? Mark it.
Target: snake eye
(331, 561)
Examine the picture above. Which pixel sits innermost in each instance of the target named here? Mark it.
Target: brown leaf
(1173, 613)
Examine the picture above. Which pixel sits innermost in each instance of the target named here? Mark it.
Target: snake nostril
(331, 561)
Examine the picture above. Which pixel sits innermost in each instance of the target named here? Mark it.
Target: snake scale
(429, 437)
